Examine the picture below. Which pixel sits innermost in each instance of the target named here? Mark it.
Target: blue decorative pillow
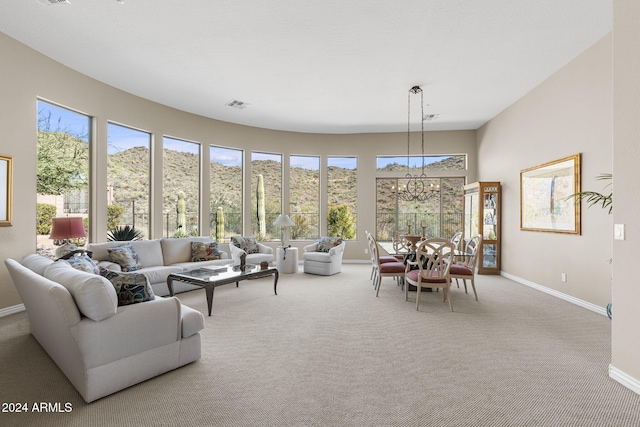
(126, 257)
(131, 288)
(83, 263)
(239, 242)
(327, 242)
(201, 251)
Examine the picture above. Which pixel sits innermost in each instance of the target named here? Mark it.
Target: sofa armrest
(134, 329)
(264, 249)
(236, 253)
(311, 248)
(336, 249)
(108, 265)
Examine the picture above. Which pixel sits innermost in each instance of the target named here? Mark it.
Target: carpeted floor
(326, 352)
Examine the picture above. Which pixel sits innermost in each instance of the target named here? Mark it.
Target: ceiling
(320, 66)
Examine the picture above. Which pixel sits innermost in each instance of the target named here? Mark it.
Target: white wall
(568, 113)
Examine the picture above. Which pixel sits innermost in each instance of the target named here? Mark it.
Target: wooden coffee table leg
(209, 291)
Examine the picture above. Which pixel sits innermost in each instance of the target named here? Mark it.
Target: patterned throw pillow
(201, 251)
(131, 288)
(126, 257)
(252, 245)
(327, 242)
(239, 242)
(83, 263)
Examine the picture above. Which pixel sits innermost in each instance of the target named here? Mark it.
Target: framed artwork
(6, 186)
(546, 202)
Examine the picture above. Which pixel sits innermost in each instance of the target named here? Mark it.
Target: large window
(342, 196)
(304, 193)
(181, 187)
(62, 183)
(128, 162)
(266, 194)
(226, 193)
(439, 216)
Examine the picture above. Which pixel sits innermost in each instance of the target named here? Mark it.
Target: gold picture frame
(545, 196)
(6, 187)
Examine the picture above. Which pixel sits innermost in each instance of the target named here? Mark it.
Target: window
(304, 193)
(62, 182)
(399, 163)
(438, 216)
(226, 192)
(266, 194)
(181, 187)
(342, 196)
(128, 165)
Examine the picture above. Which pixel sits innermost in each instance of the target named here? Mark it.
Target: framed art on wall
(6, 173)
(545, 196)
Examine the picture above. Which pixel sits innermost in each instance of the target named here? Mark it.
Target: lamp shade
(67, 228)
(283, 221)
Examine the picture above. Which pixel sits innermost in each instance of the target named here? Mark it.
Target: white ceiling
(322, 66)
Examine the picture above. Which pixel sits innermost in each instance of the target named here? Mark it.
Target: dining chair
(383, 269)
(456, 239)
(381, 259)
(400, 244)
(431, 269)
(465, 265)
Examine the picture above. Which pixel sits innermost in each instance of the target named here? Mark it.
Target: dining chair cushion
(392, 267)
(388, 258)
(460, 270)
(414, 274)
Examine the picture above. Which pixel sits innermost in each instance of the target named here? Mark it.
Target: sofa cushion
(126, 257)
(175, 250)
(36, 263)
(201, 251)
(327, 242)
(149, 252)
(94, 295)
(160, 273)
(83, 263)
(317, 256)
(131, 288)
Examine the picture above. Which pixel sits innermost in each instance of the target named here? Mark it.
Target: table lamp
(283, 221)
(64, 229)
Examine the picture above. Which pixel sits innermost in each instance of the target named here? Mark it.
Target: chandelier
(416, 187)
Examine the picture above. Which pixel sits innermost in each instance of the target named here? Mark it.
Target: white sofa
(323, 263)
(159, 258)
(102, 347)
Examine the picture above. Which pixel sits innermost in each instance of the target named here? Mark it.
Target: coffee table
(210, 278)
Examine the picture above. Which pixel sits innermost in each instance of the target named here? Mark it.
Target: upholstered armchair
(324, 257)
(256, 252)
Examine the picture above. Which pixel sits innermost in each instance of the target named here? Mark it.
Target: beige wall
(626, 171)
(568, 113)
(27, 75)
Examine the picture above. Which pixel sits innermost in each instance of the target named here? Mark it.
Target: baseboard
(626, 380)
(557, 294)
(11, 310)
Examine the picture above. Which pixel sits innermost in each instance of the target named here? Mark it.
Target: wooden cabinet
(482, 202)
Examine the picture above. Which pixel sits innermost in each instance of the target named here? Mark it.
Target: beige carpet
(327, 352)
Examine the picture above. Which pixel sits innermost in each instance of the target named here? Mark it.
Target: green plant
(594, 198)
(262, 225)
(341, 222)
(124, 234)
(114, 216)
(181, 211)
(44, 214)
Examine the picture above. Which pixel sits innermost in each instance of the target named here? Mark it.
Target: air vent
(430, 117)
(237, 104)
(53, 2)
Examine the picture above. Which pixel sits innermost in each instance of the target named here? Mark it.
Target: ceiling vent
(431, 117)
(237, 104)
(52, 2)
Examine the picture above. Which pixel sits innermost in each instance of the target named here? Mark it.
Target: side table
(287, 262)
